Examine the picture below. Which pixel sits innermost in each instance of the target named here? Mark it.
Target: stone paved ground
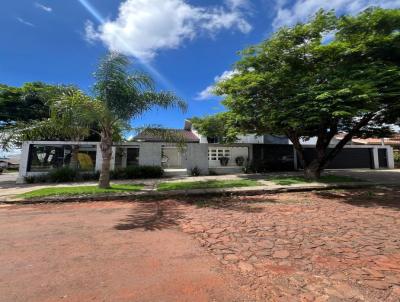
(326, 246)
(332, 246)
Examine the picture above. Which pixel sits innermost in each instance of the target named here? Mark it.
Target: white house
(268, 152)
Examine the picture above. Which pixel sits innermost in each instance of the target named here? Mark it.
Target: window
(217, 153)
(132, 157)
(43, 158)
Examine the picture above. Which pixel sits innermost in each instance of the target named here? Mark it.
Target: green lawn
(294, 180)
(84, 190)
(209, 184)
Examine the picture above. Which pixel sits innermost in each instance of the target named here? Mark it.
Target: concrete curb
(143, 195)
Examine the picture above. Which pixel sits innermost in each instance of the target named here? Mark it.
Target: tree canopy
(215, 127)
(315, 79)
(26, 103)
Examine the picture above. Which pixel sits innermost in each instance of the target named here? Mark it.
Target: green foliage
(240, 160)
(299, 85)
(24, 104)
(124, 95)
(195, 171)
(396, 156)
(210, 184)
(217, 127)
(137, 172)
(64, 174)
(294, 180)
(80, 190)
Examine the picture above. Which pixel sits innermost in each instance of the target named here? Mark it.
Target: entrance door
(171, 158)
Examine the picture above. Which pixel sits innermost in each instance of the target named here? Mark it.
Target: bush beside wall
(67, 174)
(135, 172)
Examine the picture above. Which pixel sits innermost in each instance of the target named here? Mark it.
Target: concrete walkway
(9, 190)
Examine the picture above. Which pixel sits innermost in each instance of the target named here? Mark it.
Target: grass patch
(209, 184)
(328, 179)
(76, 191)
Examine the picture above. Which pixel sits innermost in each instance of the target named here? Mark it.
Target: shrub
(37, 179)
(138, 172)
(224, 161)
(118, 174)
(1, 170)
(396, 156)
(64, 174)
(67, 174)
(212, 172)
(87, 176)
(195, 171)
(239, 160)
(150, 172)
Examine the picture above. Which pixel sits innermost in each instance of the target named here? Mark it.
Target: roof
(167, 135)
(390, 141)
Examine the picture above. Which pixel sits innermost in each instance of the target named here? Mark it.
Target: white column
(23, 165)
(375, 158)
(390, 157)
(196, 155)
(99, 158)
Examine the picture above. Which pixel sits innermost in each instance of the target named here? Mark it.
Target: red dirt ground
(104, 252)
(327, 246)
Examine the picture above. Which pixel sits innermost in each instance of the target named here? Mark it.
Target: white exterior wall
(234, 152)
(149, 154)
(195, 155)
(390, 157)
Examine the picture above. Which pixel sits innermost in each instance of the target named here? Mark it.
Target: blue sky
(185, 44)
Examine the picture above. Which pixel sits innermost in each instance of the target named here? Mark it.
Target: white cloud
(144, 27)
(43, 7)
(25, 22)
(301, 10)
(208, 92)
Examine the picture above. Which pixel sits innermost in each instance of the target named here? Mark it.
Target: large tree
(123, 95)
(215, 127)
(26, 103)
(316, 79)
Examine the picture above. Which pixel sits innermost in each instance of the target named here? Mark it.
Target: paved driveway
(105, 252)
(328, 246)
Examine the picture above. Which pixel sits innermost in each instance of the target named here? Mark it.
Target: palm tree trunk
(74, 157)
(106, 152)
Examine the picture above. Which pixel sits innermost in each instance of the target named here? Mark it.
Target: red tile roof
(149, 136)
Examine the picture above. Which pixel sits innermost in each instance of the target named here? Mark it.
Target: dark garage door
(382, 156)
(273, 158)
(348, 158)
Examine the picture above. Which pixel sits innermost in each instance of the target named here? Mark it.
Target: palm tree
(123, 95)
(73, 114)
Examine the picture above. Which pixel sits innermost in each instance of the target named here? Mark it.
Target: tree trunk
(106, 152)
(313, 170)
(74, 157)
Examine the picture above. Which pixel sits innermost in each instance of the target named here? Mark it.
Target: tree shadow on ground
(152, 216)
(385, 197)
(231, 203)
